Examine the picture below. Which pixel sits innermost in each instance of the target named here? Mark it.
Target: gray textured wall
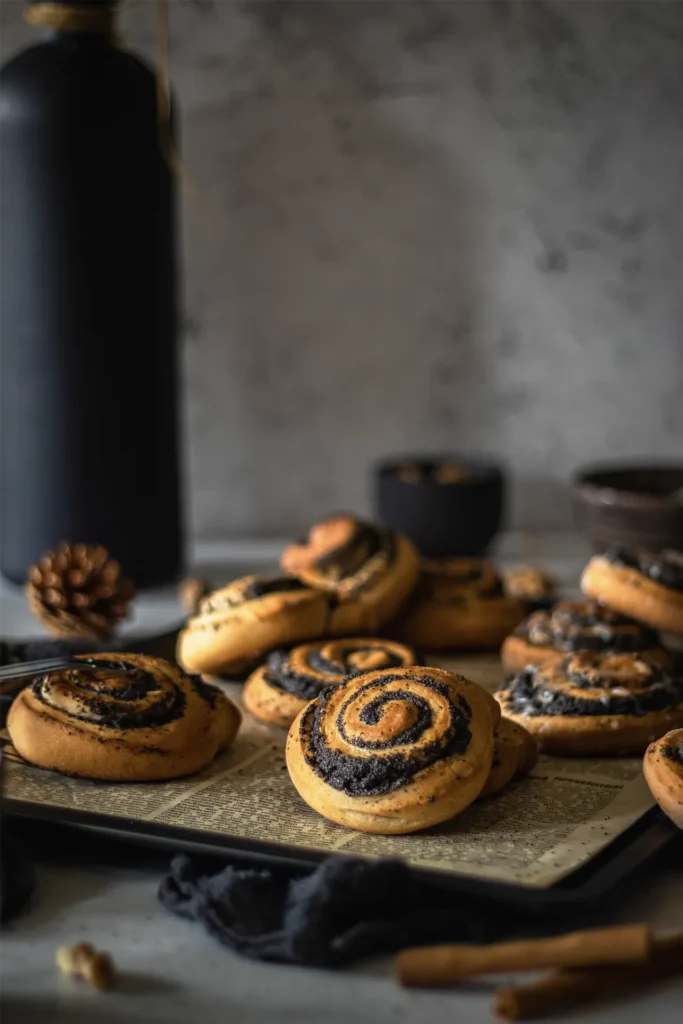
(423, 225)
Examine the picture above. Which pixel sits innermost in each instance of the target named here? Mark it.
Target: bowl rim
(606, 494)
(484, 469)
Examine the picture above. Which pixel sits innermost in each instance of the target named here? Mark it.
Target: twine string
(100, 19)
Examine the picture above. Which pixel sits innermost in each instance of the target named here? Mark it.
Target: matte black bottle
(88, 361)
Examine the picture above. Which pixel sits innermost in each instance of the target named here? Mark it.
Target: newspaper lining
(537, 831)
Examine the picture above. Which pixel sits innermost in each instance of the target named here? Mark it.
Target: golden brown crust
(393, 751)
(458, 603)
(515, 753)
(154, 723)
(279, 689)
(369, 570)
(633, 593)
(553, 633)
(516, 653)
(528, 583)
(594, 704)
(663, 770)
(237, 624)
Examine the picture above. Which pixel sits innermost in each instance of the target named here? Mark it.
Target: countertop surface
(171, 971)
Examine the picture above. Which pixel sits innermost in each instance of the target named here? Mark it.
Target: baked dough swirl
(458, 603)
(595, 703)
(122, 717)
(575, 626)
(394, 750)
(235, 625)
(663, 769)
(644, 585)
(278, 690)
(370, 571)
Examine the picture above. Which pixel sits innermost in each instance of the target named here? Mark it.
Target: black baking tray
(591, 883)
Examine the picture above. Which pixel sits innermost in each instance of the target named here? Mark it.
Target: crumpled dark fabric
(17, 877)
(346, 909)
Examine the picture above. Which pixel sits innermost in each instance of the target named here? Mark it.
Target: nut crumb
(83, 961)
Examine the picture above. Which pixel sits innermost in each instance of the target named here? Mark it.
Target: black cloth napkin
(17, 874)
(346, 909)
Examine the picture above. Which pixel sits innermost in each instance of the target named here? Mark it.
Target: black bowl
(449, 505)
(632, 505)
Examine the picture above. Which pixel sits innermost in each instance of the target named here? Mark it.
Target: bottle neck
(92, 21)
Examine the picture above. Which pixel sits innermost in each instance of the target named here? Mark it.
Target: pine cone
(78, 590)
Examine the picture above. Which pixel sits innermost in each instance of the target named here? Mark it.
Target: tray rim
(643, 840)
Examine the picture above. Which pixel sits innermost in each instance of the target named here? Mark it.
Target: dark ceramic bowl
(635, 506)
(447, 505)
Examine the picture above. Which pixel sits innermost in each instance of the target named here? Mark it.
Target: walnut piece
(83, 961)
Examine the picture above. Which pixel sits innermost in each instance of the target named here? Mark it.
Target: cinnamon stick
(564, 989)
(438, 965)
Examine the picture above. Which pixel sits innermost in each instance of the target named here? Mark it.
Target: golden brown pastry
(576, 626)
(122, 717)
(394, 750)
(458, 603)
(369, 570)
(278, 690)
(646, 586)
(663, 768)
(237, 624)
(529, 584)
(593, 704)
(515, 753)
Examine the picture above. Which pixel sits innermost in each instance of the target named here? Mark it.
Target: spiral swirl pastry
(369, 570)
(576, 626)
(644, 585)
(458, 603)
(515, 753)
(122, 717)
(595, 703)
(278, 690)
(663, 770)
(529, 584)
(236, 625)
(393, 750)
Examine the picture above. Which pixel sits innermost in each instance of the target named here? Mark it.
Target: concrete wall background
(422, 225)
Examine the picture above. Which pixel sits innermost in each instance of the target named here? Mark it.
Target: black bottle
(88, 325)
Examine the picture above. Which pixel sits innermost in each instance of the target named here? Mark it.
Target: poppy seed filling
(526, 695)
(282, 675)
(112, 704)
(665, 568)
(384, 770)
(674, 752)
(587, 627)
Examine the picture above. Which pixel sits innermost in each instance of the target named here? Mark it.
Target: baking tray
(592, 882)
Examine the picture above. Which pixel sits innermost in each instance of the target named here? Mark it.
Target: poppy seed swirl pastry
(395, 750)
(458, 603)
(122, 717)
(235, 625)
(575, 626)
(369, 570)
(277, 690)
(646, 586)
(592, 703)
(663, 770)
(529, 584)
